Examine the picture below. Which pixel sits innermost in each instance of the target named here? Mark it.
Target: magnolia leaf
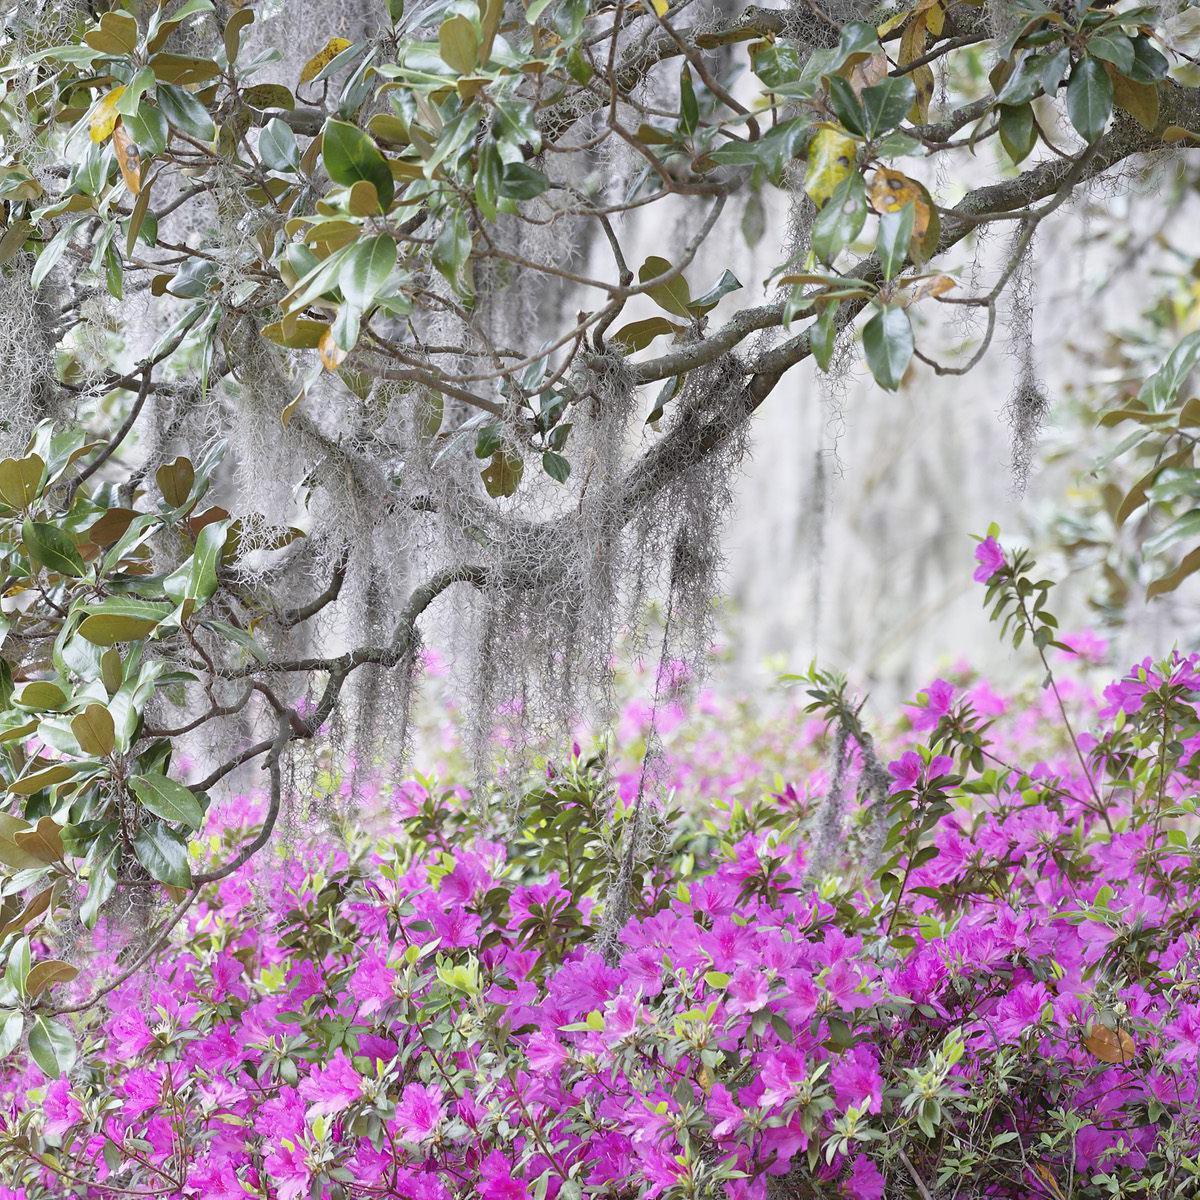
(458, 44)
(502, 476)
(1089, 98)
(94, 731)
(296, 333)
(349, 155)
(175, 480)
(269, 95)
(1139, 100)
(48, 973)
(43, 841)
(121, 619)
(637, 335)
(21, 480)
(128, 160)
(182, 110)
(52, 547)
(168, 799)
(51, 1046)
(163, 853)
(673, 295)
(888, 342)
(117, 34)
(104, 116)
(323, 58)
(831, 158)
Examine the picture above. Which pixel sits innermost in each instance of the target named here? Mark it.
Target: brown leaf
(1110, 1045)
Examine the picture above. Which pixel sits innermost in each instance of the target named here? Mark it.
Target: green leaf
(458, 44)
(21, 480)
(522, 182)
(164, 854)
(121, 619)
(453, 247)
(51, 1046)
(888, 341)
(1018, 131)
(842, 219)
(1089, 98)
(12, 1025)
(1183, 527)
(637, 335)
(886, 104)
(52, 548)
(502, 476)
(166, 798)
(1149, 64)
(362, 276)
(196, 578)
(895, 233)
(350, 154)
(823, 338)
(1115, 48)
(185, 112)
(728, 282)
(16, 972)
(94, 730)
(488, 172)
(845, 102)
(689, 109)
(51, 253)
(277, 146)
(557, 467)
(672, 295)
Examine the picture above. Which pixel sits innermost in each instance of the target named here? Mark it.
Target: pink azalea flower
(419, 1112)
(990, 557)
(864, 1182)
(333, 1087)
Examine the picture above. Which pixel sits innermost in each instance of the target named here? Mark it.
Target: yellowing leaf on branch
(105, 116)
(891, 190)
(332, 355)
(323, 58)
(128, 159)
(831, 157)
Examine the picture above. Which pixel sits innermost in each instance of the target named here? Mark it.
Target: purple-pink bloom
(864, 1182)
(332, 1087)
(990, 557)
(419, 1112)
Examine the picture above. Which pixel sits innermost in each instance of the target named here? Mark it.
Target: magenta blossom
(990, 557)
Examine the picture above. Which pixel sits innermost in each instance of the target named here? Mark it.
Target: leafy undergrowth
(974, 975)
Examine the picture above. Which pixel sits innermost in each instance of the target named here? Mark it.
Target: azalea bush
(965, 964)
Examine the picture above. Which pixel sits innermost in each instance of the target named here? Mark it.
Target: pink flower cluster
(428, 1015)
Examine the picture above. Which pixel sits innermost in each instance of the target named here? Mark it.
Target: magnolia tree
(291, 354)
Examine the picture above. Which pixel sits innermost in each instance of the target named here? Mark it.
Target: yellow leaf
(332, 355)
(323, 58)
(1110, 1045)
(830, 160)
(660, 7)
(290, 407)
(939, 285)
(104, 115)
(891, 190)
(127, 158)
